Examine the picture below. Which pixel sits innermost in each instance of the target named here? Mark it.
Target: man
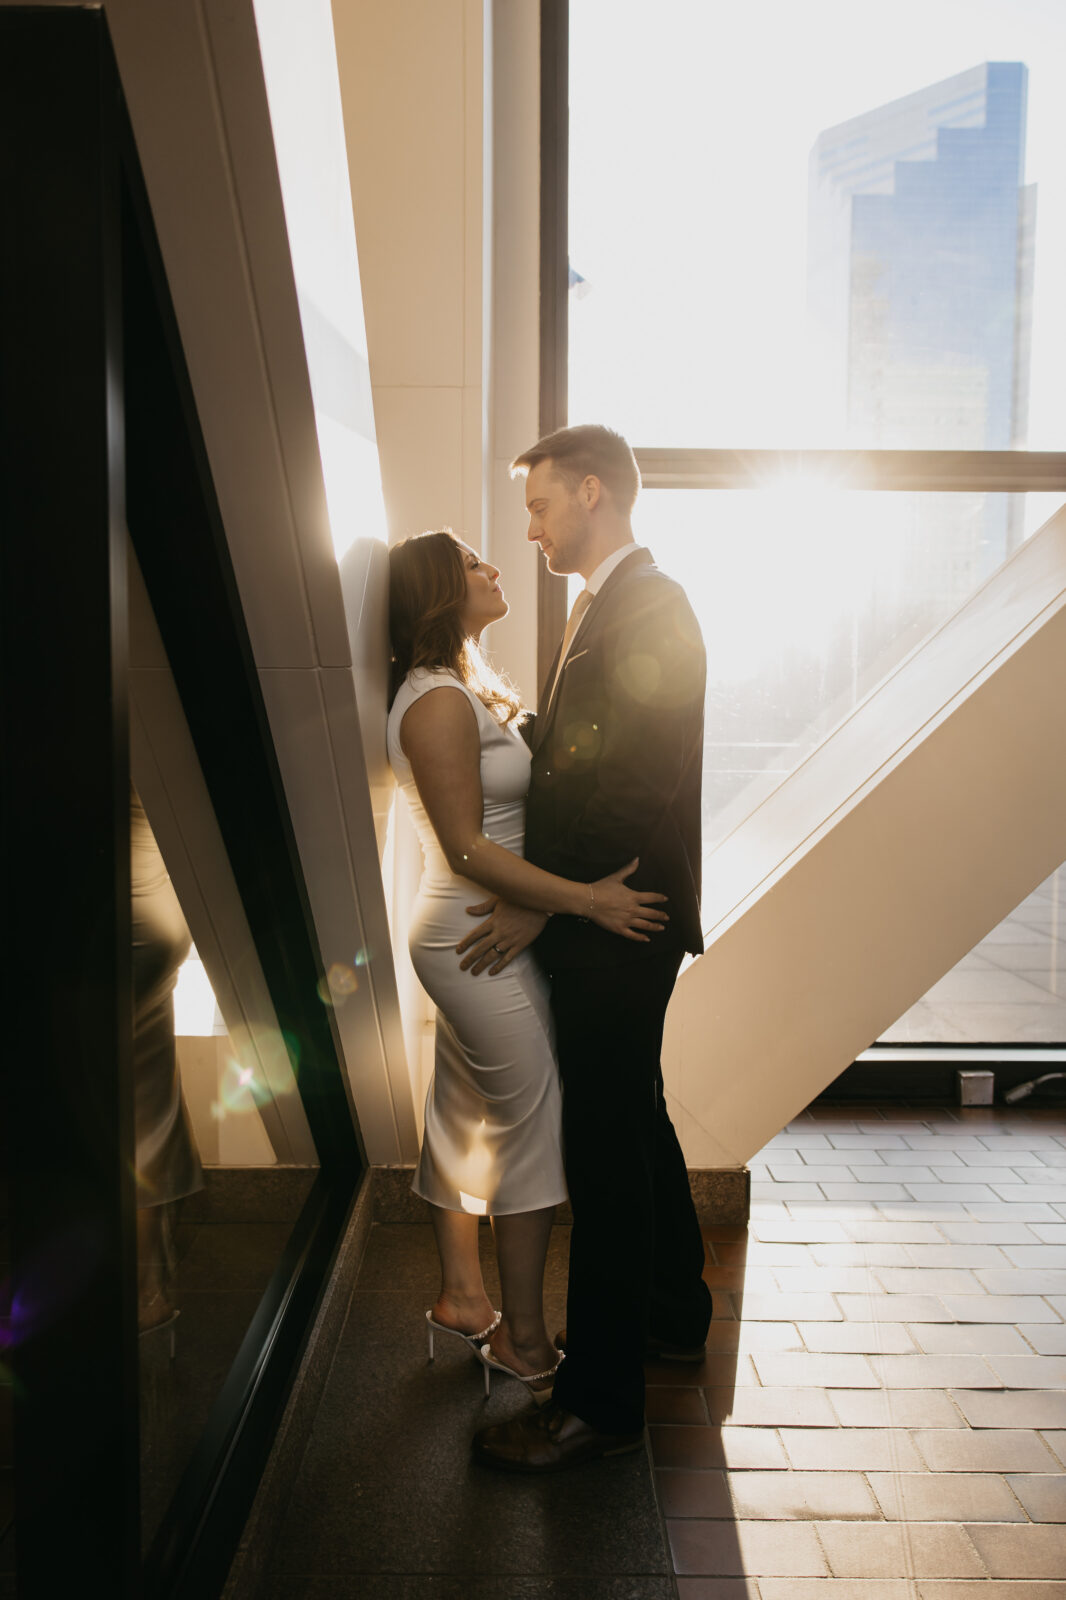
(616, 770)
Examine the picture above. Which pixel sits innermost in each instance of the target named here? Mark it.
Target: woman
(168, 1166)
(492, 1141)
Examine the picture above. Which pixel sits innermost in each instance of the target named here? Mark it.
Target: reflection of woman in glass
(492, 1128)
(168, 1166)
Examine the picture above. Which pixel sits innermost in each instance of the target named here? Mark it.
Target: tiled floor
(881, 1414)
(884, 1417)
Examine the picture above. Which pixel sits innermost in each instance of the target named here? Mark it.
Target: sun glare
(776, 569)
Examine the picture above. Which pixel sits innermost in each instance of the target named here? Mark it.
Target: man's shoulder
(643, 586)
(642, 580)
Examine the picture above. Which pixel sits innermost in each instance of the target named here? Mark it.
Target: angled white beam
(193, 79)
(915, 828)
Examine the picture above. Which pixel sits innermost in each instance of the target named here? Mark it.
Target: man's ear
(591, 490)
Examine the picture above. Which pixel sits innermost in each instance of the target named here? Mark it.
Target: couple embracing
(583, 827)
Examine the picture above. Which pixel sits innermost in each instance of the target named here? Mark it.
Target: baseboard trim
(722, 1195)
(249, 1194)
(932, 1078)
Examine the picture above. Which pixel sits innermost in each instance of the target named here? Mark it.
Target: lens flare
(262, 1064)
(338, 983)
(242, 1088)
(53, 1280)
(582, 740)
(639, 675)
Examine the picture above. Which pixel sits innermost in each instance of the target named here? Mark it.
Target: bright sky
(691, 124)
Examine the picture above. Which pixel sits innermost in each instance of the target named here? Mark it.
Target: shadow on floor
(388, 1502)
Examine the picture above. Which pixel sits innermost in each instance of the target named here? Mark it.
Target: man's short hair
(575, 453)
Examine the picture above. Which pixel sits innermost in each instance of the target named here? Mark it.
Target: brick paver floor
(881, 1414)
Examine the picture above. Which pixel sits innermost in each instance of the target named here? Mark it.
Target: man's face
(559, 518)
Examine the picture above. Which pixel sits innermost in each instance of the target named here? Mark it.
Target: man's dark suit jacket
(618, 762)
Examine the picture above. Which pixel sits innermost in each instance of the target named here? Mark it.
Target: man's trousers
(636, 1251)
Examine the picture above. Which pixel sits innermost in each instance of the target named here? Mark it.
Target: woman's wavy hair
(427, 588)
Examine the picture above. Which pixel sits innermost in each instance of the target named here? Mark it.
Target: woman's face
(484, 601)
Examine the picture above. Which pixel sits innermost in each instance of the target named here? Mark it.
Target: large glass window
(807, 598)
(785, 231)
(785, 239)
(1011, 988)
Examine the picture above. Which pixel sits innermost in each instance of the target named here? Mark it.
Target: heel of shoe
(539, 1396)
(473, 1341)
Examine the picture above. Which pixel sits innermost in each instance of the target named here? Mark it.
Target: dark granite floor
(388, 1504)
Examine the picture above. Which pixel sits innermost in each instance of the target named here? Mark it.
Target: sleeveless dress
(493, 1138)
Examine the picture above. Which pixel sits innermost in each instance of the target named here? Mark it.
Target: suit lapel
(585, 638)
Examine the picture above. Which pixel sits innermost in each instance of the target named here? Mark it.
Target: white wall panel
(364, 572)
(402, 69)
(412, 86)
(420, 436)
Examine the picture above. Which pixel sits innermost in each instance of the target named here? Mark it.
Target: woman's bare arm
(439, 736)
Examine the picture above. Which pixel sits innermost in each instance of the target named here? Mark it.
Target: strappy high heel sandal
(539, 1396)
(476, 1341)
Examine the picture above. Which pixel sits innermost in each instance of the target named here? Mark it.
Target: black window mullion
(926, 471)
(65, 817)
(554, 277)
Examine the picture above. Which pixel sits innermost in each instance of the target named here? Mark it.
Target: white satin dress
(493, 1140)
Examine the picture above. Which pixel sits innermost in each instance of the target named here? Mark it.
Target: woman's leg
(521, 1341)
(155, 1266)
(462, 1302)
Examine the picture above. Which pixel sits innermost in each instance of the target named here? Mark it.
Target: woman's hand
(629, 912)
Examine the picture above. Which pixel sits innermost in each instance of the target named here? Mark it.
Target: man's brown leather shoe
(548, 1439)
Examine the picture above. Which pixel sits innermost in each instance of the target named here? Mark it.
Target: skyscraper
(920, 261)
(920, 251)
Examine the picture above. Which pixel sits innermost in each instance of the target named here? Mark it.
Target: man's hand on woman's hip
(507, 932)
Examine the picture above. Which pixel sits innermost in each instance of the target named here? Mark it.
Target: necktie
(581, 605)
